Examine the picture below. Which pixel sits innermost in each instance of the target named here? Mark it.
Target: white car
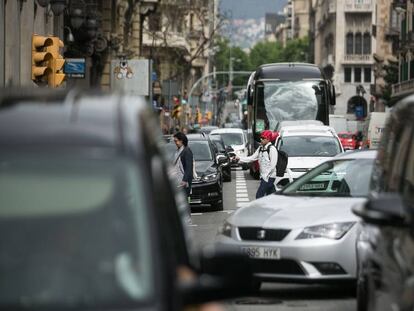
(307, 146)
(306, 232)
(235, 138)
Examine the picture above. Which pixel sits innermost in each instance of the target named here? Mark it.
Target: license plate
(262, 252)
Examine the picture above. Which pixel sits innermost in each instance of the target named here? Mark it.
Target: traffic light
(55, 64)
(47, 63)
(199, 116)
(40, 57)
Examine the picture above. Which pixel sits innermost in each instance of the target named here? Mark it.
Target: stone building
(403, 11)
(344, 46)
(19, 20)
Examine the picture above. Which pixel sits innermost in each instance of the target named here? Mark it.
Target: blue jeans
(265, 188)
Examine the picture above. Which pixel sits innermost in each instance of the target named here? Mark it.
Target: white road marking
(242, 204)
(241, 190)
(242, 195)
(242, 200)
(196, 214)
(193, 225)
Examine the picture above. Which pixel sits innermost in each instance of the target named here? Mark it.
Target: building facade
(404, 16)
(19, 20)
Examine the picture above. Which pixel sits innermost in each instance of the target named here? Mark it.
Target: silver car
(306, 232)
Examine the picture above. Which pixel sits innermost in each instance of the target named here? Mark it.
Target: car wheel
(227, 175)
(218, 206)
(361, 291)
(256, 285)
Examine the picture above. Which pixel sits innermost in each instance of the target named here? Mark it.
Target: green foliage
(262, 53)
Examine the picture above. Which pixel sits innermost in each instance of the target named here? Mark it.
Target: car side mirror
(387, 209)
(221, 159)
(224, 274)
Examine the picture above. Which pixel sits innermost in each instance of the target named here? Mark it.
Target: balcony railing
(358, 58)
(402, 88)
(358, 6)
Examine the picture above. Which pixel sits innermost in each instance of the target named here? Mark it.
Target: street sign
(132, 76)
(75, 68)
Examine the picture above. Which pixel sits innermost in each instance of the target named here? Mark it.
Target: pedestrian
(267, 155)
(183, 162)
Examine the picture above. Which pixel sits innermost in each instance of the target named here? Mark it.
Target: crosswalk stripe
(243, 204)
(242, 200)
(242, 195)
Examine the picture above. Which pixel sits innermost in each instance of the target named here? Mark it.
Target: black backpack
(282, 161)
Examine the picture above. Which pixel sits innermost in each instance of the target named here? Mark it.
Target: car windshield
(309, 146)
(73, 233)
(201, 150)
(343, 178)
(219, 144)
(230, 139)
(291, 100)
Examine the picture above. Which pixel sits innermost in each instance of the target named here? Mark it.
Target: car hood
(204, 168)
(306, 162)
(238, 147)
(280, 211)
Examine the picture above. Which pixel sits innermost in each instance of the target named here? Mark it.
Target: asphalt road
(273, 296)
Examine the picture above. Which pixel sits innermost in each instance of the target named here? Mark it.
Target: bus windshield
(288, 100)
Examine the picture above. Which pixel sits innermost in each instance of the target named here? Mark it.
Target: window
(348, 74)
(367, 75)
(350, 43)
(358, 43)
(357, 74)
(154, 23)
(367, 43)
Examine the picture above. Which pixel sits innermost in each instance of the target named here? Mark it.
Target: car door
(393, 261)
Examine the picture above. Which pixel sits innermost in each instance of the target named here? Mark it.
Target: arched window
(350, 43)
(358, 43)
(367, 43)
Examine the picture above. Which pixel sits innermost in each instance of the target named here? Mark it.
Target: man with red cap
(266, 154)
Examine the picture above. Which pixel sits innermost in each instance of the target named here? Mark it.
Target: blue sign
(359, 112)
(154, 76)
(75, 67)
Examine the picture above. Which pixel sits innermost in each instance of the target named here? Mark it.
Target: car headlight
(210, 177)
(226, 229)
(331, 231)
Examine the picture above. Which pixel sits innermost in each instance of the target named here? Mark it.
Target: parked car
(222, 150)
(307, 231)
(83, 224)
(386, 243)
(348, 140)
(307, 146)
(235, 138)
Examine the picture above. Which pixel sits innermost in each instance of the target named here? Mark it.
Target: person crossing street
(267, 156)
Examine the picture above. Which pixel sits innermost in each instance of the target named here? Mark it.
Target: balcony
(358, 6)
(403, 88)
(358, 59)
(161, 39)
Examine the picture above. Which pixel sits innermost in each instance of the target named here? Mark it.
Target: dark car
(385, 246)
(82, 223)
(207, 187)
(221, 149)
(207, 129)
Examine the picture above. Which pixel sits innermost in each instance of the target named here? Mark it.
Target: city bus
(287, 92)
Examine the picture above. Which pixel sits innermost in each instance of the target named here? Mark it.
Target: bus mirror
(333, 96)
(249, 95)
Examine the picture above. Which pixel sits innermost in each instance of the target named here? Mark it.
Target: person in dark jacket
(183, 162)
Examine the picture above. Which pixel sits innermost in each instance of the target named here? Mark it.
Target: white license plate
(195, 201)
(262, 252)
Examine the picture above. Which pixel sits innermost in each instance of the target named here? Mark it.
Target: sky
(244, 9)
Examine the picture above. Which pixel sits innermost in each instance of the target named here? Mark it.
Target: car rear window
(73, 233)
(230, 139)
(310, 146)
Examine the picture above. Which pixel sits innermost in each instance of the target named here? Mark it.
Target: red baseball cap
(267, 134)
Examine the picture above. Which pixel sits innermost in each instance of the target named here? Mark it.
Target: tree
(264, 53)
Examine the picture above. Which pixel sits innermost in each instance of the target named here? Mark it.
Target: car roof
(357, 154)
(36, 117)
(309, 129)
(226, 130)
(289, 71)
(198, 136)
